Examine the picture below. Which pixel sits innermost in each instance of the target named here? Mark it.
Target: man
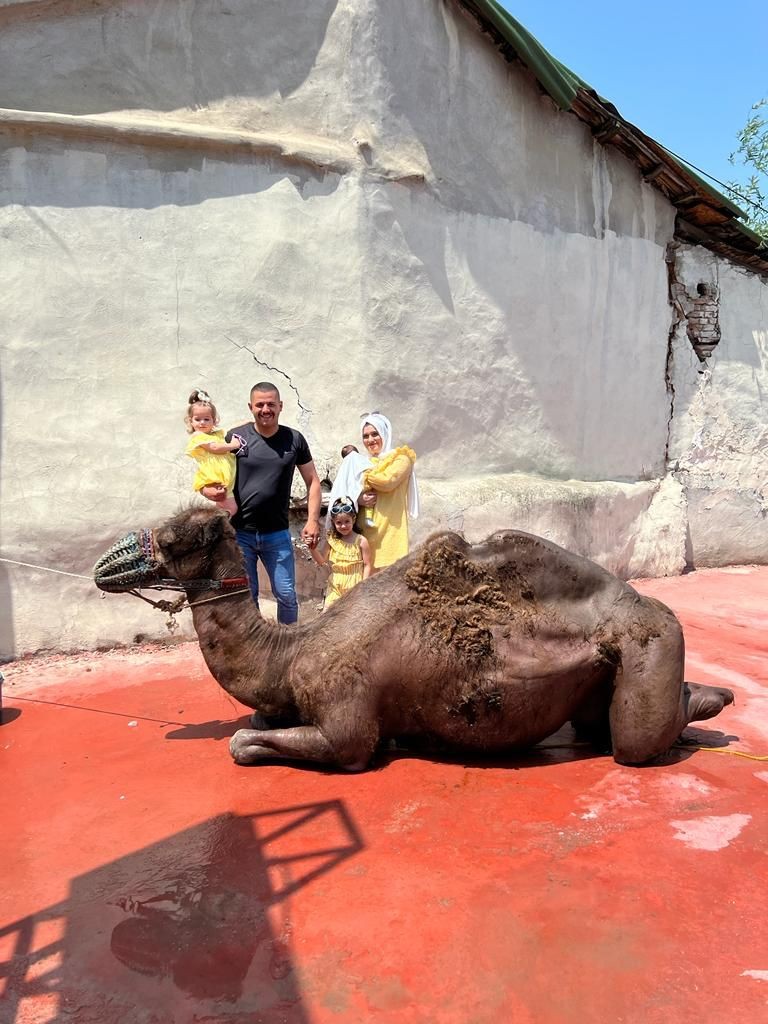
(265, 468)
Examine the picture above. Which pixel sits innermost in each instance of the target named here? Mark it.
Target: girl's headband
(343, 505)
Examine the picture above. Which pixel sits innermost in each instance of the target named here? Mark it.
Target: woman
(388, 494)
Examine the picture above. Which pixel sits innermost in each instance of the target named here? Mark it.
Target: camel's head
(181, 549)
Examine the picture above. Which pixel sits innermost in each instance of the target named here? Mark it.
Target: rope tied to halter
(172, 608)
(131, 565)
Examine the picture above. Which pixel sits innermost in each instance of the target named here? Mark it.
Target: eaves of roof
(704, 215)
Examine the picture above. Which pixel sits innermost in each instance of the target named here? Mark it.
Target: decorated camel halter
(131, 565)
(130, 562)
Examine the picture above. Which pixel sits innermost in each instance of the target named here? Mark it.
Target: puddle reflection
(183, 929)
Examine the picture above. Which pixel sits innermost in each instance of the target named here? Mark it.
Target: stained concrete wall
(358, 199)
(719, 440)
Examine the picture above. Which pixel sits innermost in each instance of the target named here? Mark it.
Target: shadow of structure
(193, 927)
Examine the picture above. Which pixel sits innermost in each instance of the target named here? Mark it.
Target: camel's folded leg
(302, 743)
(647, 711)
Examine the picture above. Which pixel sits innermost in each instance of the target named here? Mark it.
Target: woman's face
(372, 439)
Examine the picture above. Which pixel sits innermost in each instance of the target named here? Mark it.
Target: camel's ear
(214, 529)
(208, 532)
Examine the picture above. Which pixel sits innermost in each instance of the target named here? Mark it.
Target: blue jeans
(276, 552)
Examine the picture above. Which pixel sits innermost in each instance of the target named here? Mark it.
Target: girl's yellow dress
(211, 469)
(346, 561)
(385, 526)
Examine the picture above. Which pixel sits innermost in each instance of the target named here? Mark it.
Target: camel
(482, 648)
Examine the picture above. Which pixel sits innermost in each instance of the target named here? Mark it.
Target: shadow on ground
(182, 929)
(561, 747)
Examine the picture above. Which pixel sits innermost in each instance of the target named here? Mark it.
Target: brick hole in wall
(703, 320)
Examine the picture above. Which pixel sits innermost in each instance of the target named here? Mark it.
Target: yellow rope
(678, 746)
(723, 750)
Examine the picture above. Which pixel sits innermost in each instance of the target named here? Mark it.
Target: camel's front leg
(302, 743)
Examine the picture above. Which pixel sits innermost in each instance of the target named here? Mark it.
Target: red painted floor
(146, 879)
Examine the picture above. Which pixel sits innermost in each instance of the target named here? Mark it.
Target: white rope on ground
(44, 568)
(79, 576)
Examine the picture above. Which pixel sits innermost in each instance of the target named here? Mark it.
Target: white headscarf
(349, 480)
(384, 427)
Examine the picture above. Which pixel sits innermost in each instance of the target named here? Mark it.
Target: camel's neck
(249, 657)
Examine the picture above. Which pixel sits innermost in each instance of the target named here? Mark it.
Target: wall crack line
(678, 316)
(306, 412)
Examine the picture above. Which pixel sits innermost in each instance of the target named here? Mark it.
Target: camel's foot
(245, 750)
(705, 701)
(300, 743)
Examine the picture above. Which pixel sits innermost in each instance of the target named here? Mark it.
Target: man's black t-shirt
(264, 477)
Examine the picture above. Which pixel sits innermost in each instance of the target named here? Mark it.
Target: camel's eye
(175, 546)
(164, 537)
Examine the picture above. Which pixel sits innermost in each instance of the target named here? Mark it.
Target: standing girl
(346, 551)
(216, 464)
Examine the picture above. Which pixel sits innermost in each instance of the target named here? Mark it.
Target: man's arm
(311, 532)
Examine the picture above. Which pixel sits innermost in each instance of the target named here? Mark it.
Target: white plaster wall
(524, 351)
(524, 274)
(276, 64)
(719, 442)
(128, 286)
(389, 217)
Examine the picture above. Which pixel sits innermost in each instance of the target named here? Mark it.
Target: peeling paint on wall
(699, 311)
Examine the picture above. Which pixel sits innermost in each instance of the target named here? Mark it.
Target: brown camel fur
(486, 648)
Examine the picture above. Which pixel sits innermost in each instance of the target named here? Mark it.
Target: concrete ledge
(728, 525)
(304, 150)
(631, 529)
(309, 151)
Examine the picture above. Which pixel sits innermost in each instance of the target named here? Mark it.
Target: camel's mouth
(130, 563)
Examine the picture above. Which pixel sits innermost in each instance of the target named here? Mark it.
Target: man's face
(266, 408)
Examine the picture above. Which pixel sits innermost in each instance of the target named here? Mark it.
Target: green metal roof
(558, 80)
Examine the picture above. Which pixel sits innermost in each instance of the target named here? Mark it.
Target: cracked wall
(358, 199)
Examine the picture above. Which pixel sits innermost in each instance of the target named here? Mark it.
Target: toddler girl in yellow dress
(345, 549)
(215, 462)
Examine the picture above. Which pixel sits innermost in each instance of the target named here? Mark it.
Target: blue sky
(685, 73)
